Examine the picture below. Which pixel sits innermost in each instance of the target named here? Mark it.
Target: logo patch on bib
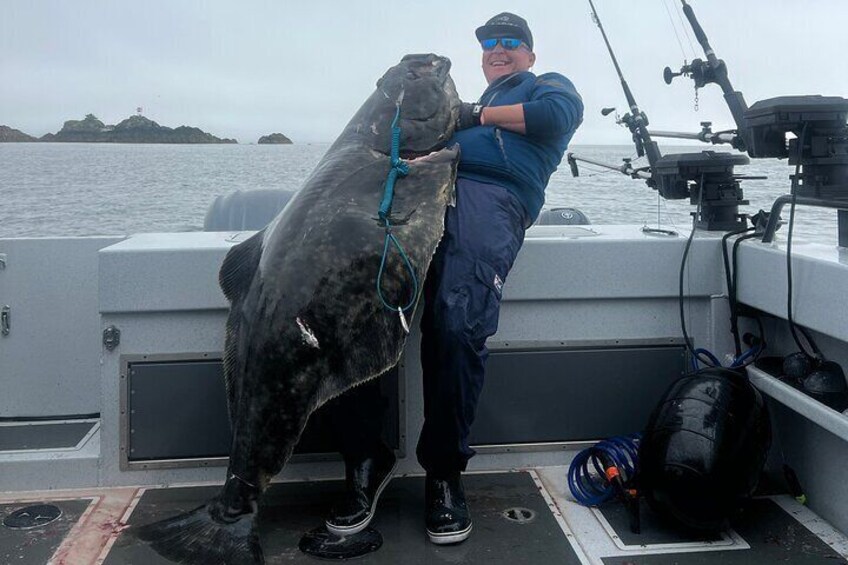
(498, 283)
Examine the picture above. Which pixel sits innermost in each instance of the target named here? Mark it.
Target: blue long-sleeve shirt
(523, 164)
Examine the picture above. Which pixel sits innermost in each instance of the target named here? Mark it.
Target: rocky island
(135, 129)
(274, 138)
(9, 135)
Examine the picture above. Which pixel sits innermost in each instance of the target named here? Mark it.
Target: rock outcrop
(274, 138)
(135, 129)
(11, 135)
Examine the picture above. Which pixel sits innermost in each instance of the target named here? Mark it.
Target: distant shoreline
(135, 129)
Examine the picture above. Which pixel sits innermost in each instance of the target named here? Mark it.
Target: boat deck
(520, 517)
(573, 361)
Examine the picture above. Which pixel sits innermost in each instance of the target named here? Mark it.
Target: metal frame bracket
(111, 337)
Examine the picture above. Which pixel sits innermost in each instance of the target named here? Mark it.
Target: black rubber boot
(364, 482)
(448, 518)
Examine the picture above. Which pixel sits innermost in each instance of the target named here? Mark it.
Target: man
(511, 142)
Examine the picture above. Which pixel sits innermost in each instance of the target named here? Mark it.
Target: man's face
(500, 62)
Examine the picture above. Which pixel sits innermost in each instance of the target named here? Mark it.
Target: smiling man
(511, 141)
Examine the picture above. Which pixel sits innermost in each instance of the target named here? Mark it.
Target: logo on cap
(506, 24)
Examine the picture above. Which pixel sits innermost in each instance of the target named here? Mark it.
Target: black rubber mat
(774, 537)
(43, 436)
(35, 546)
(290, 510)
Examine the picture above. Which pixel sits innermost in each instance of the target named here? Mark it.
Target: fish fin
(240, 265)
(196, 538)
(231, 341)
(235, 277)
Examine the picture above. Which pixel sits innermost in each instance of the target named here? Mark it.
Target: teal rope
(391, 239)
(399, 169)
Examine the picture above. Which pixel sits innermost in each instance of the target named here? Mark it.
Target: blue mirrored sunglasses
(508, 43)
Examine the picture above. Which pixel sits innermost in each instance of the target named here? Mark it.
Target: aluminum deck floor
(551, 528)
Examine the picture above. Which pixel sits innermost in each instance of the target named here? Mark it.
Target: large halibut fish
(306, 322)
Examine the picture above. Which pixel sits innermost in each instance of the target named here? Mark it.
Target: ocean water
(70, 189)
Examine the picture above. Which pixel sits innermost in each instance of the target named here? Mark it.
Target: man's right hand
(469, 115)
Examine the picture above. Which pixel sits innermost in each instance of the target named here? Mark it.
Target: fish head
(421, 86)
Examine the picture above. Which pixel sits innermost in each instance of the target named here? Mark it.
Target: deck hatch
(40, 435)
(571, 393)
(772, 534)
(614, 518)
(174, 413)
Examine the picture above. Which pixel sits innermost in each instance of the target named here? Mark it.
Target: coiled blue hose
(592, 488)
(737, 361)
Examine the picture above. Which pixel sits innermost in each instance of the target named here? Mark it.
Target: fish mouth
(434, 155)
(417, 155)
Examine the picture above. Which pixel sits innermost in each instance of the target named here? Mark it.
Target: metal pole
(781, 201)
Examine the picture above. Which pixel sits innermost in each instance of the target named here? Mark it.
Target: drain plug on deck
(32, 517)
(519, 515)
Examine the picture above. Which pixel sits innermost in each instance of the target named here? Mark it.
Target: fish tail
(217, 533)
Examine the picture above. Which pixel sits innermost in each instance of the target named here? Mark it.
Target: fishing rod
(636, 121)
(706, 178)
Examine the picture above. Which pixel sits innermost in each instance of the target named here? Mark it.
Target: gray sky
(244, 69)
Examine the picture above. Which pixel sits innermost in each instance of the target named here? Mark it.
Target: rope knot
(401, 166)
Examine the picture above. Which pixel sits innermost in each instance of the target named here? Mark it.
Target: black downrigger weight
(704, 448)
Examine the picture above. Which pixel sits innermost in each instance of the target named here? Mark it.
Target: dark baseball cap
(506, 25)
